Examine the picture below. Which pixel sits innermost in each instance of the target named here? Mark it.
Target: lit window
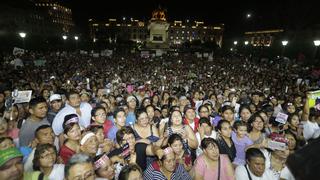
(182, 32)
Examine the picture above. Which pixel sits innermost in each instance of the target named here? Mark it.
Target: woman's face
(245, 115)
(121, 119)
(166, 96)
(143, 119)
(212, 151)
(258, 124)
(100, 116)
(228, 115)
(74, 133)
(176, 118)
(155, 99)
(106, 170)
(100, 136)
(48, 158)
(150, 112)
(190, 114)
(242, 131)
(146, 102)
(226, 130)
(90, 146)
(295, 121)
(204, 112)
(292, 142)
(164, 112)
(291, 109)
(3, 127)
(177, 147)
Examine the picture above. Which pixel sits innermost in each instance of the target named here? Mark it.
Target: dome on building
(159, 15)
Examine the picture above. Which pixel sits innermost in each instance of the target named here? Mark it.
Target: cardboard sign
(23, 97)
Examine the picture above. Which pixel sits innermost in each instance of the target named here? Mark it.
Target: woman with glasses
(45, 159)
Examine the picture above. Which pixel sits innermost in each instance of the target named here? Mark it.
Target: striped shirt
(153, 173)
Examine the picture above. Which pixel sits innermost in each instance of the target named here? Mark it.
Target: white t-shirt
(213, 135)
(57, 172)
(286, 174)
(242, 174)
(311, 130)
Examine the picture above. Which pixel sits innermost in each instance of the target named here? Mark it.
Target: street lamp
(76, 38)
(23, 35)
(317, 44)
(248, 15)
(235, 42)
(246, 42)
(64, 37)
(284, 44)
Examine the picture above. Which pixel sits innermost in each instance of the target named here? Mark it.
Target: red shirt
(196, 124)
(66, 153)
(106, 127)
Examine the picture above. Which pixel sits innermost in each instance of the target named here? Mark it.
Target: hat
(130, 98)
(55, 97)
(8, 154)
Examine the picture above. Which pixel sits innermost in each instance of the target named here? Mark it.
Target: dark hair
(207, 141)
(242, 107)
(121, 132)
(237, 124)
(291, 116)
(68, 127)
(170, 117)
(41, 148)
(45, 126)
(5, 138)
(125, 171)
(117, 111)
(174, 137)
(202, 106)
(150, 105)
(138, 112)
(143, 100)
(254, 153)
(94, 110)
(204, 120)
(35, 101)
(71, 92)
(252, 119)
(219, 125)
(94, 128)
(227, 107)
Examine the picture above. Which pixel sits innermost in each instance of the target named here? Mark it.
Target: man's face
(257, 166)
(45, 136)
(6, 144)
(190, 114)
(12, 170)
(40, 110)
(82, 171)
(74, 100)
(169, 163)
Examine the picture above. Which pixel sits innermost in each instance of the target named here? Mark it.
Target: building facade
(178, 32)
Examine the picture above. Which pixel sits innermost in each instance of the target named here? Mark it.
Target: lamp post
(76, 38)
(284, 44)
(64, 37)
(317, 44)
(23, 35)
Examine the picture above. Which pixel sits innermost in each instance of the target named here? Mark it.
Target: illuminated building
(59, 15)
(262, 37)
(178, 32)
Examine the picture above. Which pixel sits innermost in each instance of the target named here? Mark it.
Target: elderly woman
(211, 164)
(166, 168)
(45, 160)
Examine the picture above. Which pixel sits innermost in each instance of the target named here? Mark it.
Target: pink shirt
(209, 174)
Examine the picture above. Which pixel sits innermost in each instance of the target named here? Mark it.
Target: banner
(17, 51)
(314, 99)
(23, 97)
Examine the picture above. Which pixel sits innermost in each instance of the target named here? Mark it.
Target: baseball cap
(55, 97)
(8, 154)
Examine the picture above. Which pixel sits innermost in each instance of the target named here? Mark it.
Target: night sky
(288, 14)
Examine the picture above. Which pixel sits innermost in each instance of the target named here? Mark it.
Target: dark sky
(292, 14)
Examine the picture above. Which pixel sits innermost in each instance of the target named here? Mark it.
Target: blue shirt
(112, 133)
(131, 119)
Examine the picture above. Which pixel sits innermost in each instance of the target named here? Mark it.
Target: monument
(158, 28)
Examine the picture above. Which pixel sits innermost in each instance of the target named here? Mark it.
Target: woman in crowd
(256, 130)
(12, 115)
(244, 113)
(183, 157)
(190, 118)
(72, 135)
(155, 101)
(175, 125)
(45, 160)
(105, 145)
(145, 102)
(143, 129)
(165, 98)
(296, 128)
(103, 167)
(211, 164)
(166, 168)
(224, 140)
(205, 130)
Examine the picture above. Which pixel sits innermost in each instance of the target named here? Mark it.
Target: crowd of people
(172, 117)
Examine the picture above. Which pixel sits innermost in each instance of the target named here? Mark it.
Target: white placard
(23, 97)
(281, 118)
